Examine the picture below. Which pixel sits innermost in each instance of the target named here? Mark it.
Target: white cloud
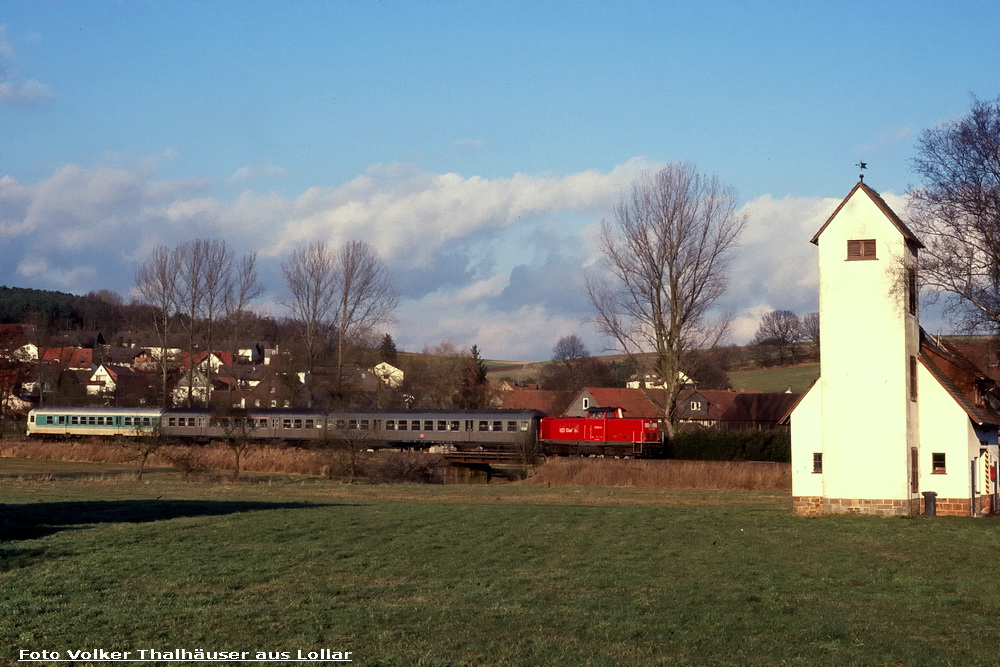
(495, 262)
(28, 93)
(31, 93)
(257, 172)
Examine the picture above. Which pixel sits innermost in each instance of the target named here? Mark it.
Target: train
(602, 432)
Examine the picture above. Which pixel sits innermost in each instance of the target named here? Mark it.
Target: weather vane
(862, 166)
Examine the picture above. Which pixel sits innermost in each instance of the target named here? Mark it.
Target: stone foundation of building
(817, 505)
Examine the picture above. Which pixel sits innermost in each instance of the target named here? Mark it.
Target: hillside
(795, 378)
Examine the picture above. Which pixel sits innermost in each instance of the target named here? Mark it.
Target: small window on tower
(818, 462)
(861, 249)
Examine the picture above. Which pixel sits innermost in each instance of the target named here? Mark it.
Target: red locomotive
(603, 432)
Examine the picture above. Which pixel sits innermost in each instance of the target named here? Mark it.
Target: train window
(364, 424)
(390, 424)
(352, 424)
(62, 419)
(402, 425)
(376, 424)
(484, 426)
(341, 424)
(428, 424)
(442, 425)
(524, 425)
(74, 420)
(454, 425)
(497, 426)
(286, 423)
(309, 423)
(298, 423)
(90, 420)
(100, 420)
(415, 425)
(48, 419)
(468, 424)
(511, 426)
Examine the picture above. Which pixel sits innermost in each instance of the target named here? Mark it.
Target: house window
(861, 249)
(938, 466)
(586, 403)
(818, 462)
(695, 406)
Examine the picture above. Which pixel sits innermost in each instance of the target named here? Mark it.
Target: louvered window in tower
(861, 249)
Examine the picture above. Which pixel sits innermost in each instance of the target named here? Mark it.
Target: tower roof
(910, 237)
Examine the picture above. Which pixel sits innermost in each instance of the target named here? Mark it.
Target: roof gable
(969, 385)
(876, 199)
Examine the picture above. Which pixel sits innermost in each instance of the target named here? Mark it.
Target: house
(637, 403)
(696, 408)
(73, 358)
(122, 386)
(653, 380)
(389, 374)
(895, 415)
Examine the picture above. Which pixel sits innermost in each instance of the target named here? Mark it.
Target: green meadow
(481, 575)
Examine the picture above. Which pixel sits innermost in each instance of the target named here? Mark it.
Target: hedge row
(716, 445)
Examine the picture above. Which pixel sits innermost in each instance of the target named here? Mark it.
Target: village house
(897, 419)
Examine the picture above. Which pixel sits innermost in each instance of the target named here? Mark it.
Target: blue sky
(476, 145)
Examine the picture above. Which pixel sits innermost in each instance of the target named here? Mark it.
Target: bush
(706, 444)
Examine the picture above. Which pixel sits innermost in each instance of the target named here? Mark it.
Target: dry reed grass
(193, 459)
(665, 474)
(416, 467)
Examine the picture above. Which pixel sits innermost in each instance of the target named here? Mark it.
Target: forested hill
(17, 303)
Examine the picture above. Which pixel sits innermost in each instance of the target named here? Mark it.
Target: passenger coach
(66, 421)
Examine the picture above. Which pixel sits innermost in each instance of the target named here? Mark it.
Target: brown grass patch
(665, 474)
(195, 459)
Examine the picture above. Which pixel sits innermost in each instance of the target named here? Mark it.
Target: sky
(475, 145)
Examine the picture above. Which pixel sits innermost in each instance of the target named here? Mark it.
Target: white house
(389, 374)
(894, 414)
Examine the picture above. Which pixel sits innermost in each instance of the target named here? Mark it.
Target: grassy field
(798, 378)
(482, 575)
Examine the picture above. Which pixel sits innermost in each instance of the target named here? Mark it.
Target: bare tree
(367, 296)
(244, 286)
(346, 294)
(666, 258)
(779, 330)
(311, 278)
(156, 283)
(237, 434)
(810, 328)
(956, 212)
(569, 348)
